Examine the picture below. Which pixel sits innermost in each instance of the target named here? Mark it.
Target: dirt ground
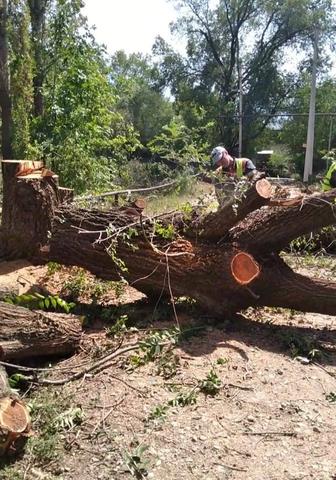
(250, 398)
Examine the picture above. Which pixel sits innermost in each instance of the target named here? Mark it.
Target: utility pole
(330, 133)
(240, 147)
(308, 166)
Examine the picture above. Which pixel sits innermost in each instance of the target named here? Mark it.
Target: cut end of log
(14, 423)
(14, 416)
(139, 204)
(244, 268)
(264, 188)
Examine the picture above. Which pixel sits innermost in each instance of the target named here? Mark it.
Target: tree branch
(216, 225)
(274, 229)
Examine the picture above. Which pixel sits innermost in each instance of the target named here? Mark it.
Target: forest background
(102, 121)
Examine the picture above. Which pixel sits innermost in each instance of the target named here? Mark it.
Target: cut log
(244, 268)
(215, 276)
(14, 416)
(279, 286)
(66, 195)
(273, 229)
(27, 334)
(14, 423)
(228, 262)
(216, 225)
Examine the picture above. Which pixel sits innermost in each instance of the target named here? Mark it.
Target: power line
(273, 115)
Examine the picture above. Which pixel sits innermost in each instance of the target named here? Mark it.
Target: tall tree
(21, 76)
(140, 95)
(5, 98)
(263, 32)
(38, 10)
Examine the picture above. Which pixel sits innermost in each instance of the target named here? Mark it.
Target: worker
(233, 167)
(329, 180)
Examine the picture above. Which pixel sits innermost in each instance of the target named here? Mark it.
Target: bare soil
(271, 418)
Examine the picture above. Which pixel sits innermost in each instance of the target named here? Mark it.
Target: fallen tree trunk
(26, 334)
(223, 279)
(273, 229)
(227, 260)
(215, 225)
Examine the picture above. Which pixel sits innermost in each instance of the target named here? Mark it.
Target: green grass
(175, 200)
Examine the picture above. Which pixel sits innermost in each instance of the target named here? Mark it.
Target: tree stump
(29, 202)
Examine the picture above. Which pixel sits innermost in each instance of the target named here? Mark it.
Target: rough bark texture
(37, 14)
(27, 334)
(240, 270)
(216, 225)
(279, 286)
(192, 267)
(29, 203)
(200, 271)
(273, 229)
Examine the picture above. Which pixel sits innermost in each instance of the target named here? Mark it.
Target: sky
(130, 25)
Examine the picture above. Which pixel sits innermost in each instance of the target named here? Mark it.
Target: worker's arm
(250, 170)
(252, 174)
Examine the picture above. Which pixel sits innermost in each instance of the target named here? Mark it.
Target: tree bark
(37, 13)
(216, 225)
(279, 286)
(273, 229)
(184, 260)
(29, 203)
(5, 98)
(193, 268)
(26, 334)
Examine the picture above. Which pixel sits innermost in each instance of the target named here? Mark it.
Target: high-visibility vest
(326, 181)
(240, 165)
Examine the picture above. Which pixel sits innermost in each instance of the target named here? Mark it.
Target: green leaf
(38, 295)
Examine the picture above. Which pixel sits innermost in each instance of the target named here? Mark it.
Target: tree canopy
(64, 99)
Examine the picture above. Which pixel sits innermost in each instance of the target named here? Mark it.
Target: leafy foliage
(119, 327)
(259, 34)
(164, 231)
(211, 385)
(136, 463)
(35, 301)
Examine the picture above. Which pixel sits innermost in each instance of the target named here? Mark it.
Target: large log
(216, 225)
(222, 279)
(26, 334)
(242, 269)
(273, 229)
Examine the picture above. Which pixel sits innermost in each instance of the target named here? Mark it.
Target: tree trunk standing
(28, 209)
(5, 99)
(37, 13)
